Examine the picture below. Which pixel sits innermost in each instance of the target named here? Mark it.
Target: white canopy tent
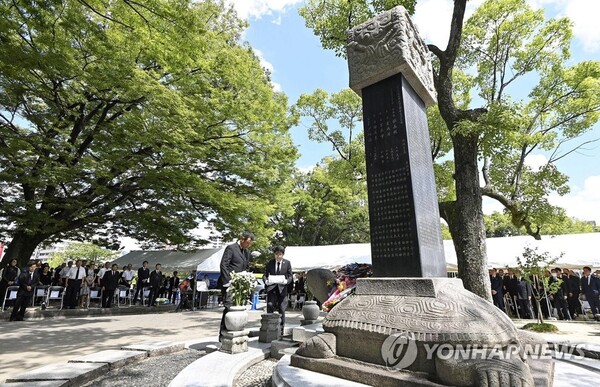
(579, 250)
(211, 264)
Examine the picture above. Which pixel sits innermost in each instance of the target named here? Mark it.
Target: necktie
(278, 267)
(77, 275)
(588, 280)
(31, 278)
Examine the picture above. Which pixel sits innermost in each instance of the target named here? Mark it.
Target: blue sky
(299, 65)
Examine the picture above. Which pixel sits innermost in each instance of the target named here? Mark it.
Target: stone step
(278, 346)
(220, 369)
(73, 373)
(155, 348)
(592, 365)
(303, 333)
(113, 358)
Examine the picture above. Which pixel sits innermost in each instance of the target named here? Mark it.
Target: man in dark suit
(110, 281)
(523, 295)
(173, 285)
(277, 293)
(27, 282)
(155, 282)
(235, 259)
(574, 290)
(590, 286)
(142, 281)
(497, 294)
(559, 297)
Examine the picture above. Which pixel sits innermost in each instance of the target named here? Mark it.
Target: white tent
(211, 264)
(578, 249)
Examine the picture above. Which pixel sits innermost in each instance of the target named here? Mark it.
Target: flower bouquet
(240, 287)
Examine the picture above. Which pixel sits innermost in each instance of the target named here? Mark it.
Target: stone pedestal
(402, 324)
(269, 327)
(234, 342)
(307, 322)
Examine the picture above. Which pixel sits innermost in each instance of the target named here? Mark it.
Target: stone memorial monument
(415, 326)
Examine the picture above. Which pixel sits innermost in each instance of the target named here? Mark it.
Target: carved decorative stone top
(453, 315)
(386, 45)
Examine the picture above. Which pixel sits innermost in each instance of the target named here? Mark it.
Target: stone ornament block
(234, 342)
(269, 327)
(387, 45)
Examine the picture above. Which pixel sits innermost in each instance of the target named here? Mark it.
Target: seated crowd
(574, 293)
(80, 282)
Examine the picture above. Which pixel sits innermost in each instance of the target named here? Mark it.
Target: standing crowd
(571, 295)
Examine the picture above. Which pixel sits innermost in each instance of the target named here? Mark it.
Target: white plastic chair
(40, 292)
(95, 294)
(10, 295)
(55, 293)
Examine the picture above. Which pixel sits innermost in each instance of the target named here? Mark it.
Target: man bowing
(235, 259)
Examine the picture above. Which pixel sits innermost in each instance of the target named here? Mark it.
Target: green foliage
(329, 206)
(89, 253)
(139, 119)
(541, 327)
(535, 268)
(330, 19)
(500, 224)
(508, 42)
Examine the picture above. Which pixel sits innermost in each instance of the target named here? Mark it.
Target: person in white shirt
(102, 271)
(127, 275)
(75, 278)
(64, 273)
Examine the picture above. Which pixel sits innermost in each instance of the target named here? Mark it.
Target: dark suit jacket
(143, 274)
(497, 285)
(155, 278)
(26, 280)
(574, 284)
(524, 290)
(285, 269)
(591, 290)
(234, 260)
(110, 281)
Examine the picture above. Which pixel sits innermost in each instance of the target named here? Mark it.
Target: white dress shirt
(73, 273)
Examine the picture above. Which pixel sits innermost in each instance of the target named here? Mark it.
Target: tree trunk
(466, 223)
(21, 247)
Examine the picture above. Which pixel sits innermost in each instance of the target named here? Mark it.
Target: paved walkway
(31, 344)
(35, 343)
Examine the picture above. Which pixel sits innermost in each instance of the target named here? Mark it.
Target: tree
(500, 225)
(535, 269)
(87, 252)
(505, 41)
(139, 119)
(328, 206)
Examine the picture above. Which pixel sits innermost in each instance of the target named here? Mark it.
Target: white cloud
(584, 204)
(307, 169)
(263, 62)
(247, 9)
(269, 67)
(584, 15)
(535, 162)
(433, 19)
(490, 206)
